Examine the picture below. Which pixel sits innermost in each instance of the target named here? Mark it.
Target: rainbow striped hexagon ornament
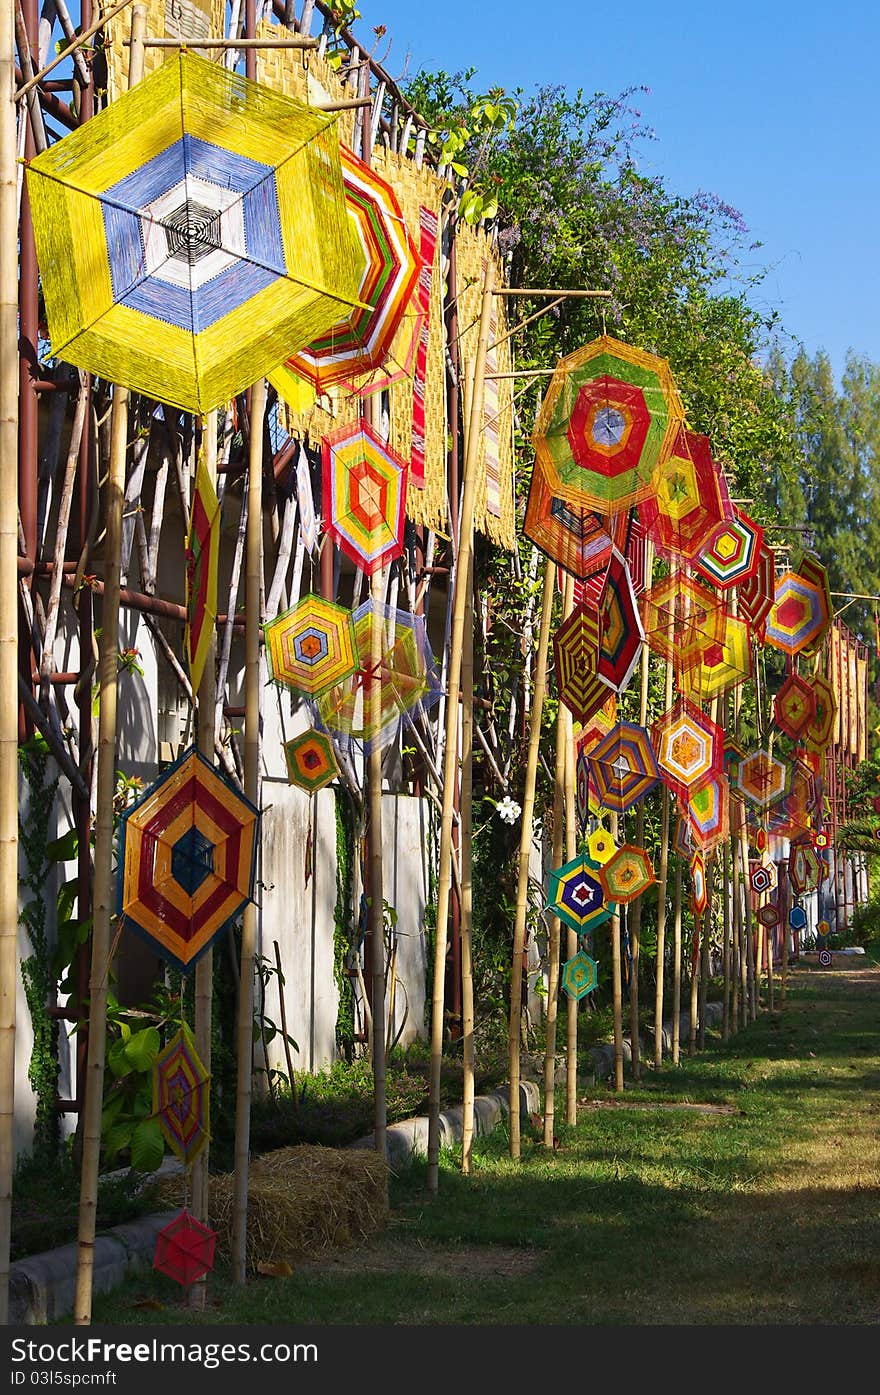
(576, 897)
(187, 852)
(192, 234)
(576, 537)
(627, 874)
(311, 646)
(687, 504)
(799, 615)
(755, 593)
(689, 747)
(820, 730)
(763, 778)
(364, 495)
(311, 760)
(699, 892)
(623, 767)
(389, 271)
(682, 618)
(794, 707)
(708, 811)
(722, 665)
(804, 866)
(579, 975)
(609, 417)
(732, 552)
(182, 1097)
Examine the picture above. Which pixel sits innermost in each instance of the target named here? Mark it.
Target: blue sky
(771, 106)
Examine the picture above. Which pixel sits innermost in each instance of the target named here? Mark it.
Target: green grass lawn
(767, 1214)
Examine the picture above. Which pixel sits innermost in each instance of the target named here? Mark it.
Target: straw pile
(303, 1201)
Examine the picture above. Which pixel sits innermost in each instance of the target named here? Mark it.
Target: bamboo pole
(555, 926)
(705, 945)
(725, 921)
(525, 847)
(9, 371)
(616, 985)
(245, 1019)
(453, 688)
(72, 48)
(695, 984)
(676, 966)
(635, 920)
(571, 840)
(466, 896)
(376, 902)
(662, 886)
(103, 901)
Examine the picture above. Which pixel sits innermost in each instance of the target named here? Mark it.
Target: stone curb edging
(603, 1055)
(41, 1287)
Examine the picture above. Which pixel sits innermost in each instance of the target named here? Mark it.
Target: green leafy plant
(134, 1042)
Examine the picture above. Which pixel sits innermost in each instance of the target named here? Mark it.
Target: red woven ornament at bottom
(185, 1249)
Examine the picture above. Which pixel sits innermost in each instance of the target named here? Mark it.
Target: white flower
(508, 809)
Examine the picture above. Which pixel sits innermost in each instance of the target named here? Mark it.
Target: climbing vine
(343, 920)
(37, 969)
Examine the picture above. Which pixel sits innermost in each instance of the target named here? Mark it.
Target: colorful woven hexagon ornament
(580, 540)
(826, 958)
(687, 504)
(627, 874)
(722, 665)
(763, 778)
(623, 767)
(762, 877)
(804, 866)
(185, 1249)
(768, 915)
(620, 626)
(820, 730)
(799, 616)
(732, 552)
(187, 852)
(755, 593)
(311, 760)
(389, 266)
(794, 707)
(363, 495)
(576, 655)
(601, 847)
(576, 897)
(699, 893)
(182, 1097)
(808, 566)
(579, 975)
(681, 618)
(689, 747)
(797, 918)
(609, 418)
(192, 234)
(311, 646)
(708, 811)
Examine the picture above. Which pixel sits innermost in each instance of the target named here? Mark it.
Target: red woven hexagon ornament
(185, 1249)
(794, 706)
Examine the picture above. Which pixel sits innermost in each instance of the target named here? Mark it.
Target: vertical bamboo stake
(377, 897)
(466, 896)
(676, 966)
(525, 848)
(453, 686)
(616, 985)
(725, 920)
(635, 922)
(103, 900)
(571, 841)
(747, 923)
(555, 926)
(706, 920)
(8, 638)
(245, 1021)
(662, 884)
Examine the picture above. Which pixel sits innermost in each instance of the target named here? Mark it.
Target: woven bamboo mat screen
(166, 19)
(421, 193)
(306, 77)
(494, 513)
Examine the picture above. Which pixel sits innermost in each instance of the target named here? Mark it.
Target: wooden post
(662, 886)
(676, 966)
(725, 921)
(555, 925)
(571, 841)
(245, 1019)
(466, 919)
(616, 985)
(376, 905)
(9, 370)
(525, 848)
(453, 688)
(104, 899)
